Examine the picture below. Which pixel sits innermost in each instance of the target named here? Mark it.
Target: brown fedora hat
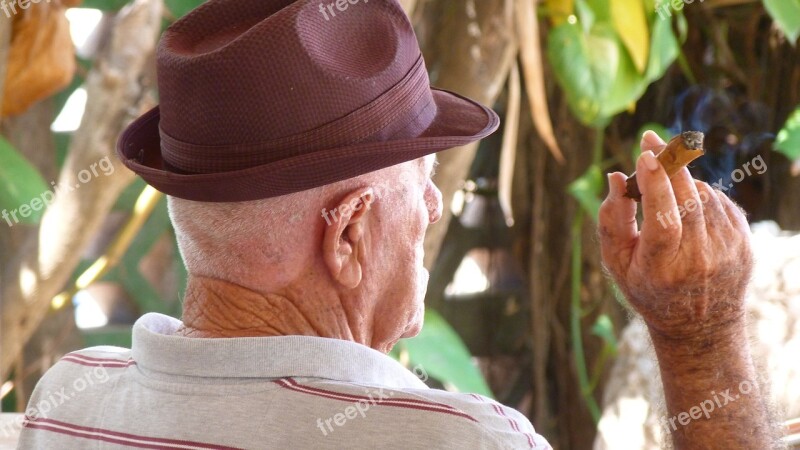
(261, 98)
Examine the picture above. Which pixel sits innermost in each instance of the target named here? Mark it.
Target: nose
(433, 201)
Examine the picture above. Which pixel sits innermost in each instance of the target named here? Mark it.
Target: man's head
(296, 151)
(366, 254)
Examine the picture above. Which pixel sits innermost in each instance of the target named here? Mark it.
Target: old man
(273, 114)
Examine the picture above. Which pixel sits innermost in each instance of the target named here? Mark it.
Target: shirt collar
(156, 348)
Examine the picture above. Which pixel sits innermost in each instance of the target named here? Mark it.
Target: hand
(686, 271)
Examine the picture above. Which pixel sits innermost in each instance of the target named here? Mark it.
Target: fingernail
(650, 160)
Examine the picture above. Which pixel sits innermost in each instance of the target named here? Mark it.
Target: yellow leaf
(559, 10)
(630, 22)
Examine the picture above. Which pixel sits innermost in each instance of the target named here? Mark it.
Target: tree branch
(116, 96)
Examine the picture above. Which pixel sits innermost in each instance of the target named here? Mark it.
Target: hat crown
(261, 98)
(247, 72)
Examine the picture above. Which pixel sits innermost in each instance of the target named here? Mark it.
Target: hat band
(402, 112)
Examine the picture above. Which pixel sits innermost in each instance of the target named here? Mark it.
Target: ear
(344, 247)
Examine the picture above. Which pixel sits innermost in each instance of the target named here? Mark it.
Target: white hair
(232, 241)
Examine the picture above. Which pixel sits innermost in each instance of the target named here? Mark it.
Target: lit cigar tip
(693, 140)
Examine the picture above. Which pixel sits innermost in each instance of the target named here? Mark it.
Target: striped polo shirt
(289, 392)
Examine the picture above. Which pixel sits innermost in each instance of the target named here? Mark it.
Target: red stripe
(114, 365)
(289, 383)
(81, 430)
(510, 420)
(91, 358)
(89, 361)
(46, 427)
(357, 397)
(499, 410)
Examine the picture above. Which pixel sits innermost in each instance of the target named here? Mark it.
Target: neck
(220, 309)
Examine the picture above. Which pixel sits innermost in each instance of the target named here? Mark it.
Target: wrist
(693, 318)
(721, 350)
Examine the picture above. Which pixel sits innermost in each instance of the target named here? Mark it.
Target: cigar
(680, 151)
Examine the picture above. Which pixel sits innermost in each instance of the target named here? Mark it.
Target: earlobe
(344, 245)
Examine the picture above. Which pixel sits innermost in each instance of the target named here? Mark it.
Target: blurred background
(519, 307)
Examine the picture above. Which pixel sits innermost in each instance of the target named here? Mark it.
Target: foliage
(787, 16)
(104, 5)
(179, 8)
(19, 183)
(441, 352)
(587, 190)
(788, 141)
(607, 53)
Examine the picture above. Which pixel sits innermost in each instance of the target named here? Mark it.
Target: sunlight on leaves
(630, 22)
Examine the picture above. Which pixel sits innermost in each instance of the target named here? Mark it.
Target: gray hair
(230, 240)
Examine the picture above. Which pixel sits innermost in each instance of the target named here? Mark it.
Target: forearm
(712, 393)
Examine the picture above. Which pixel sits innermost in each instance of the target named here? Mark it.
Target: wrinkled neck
(220, 309)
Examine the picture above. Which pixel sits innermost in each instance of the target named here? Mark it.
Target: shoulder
(78, 375)
(453, 417)
(509, 425)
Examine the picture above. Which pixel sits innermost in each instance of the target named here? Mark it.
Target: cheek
(433, 202)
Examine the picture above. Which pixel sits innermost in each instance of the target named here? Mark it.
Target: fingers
(690, 205)
(617, 223)
(651, 141)
(735, 214)
(661, 228)
(716, 221)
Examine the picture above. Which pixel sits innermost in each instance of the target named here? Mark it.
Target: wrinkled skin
(685, 277)
(686, 271)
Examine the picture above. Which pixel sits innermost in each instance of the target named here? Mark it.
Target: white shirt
(289, 392)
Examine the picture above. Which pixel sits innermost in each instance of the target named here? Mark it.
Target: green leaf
(628, 87)
(664, 50)
(104, 5)
(630, 22)
(601, 9)
(586, 16)
(21, 187)
(587, 189)
(788, 140)
(786, 14)
(440, 352)
(585, 66)
(649, 9)
(179, 8)
(604, 329)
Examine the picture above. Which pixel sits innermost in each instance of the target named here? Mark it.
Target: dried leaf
(531, 53)
(508, 152)
(41, 60)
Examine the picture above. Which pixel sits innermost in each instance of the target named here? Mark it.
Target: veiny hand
(686, 271)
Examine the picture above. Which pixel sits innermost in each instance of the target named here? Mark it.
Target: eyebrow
(433, 166)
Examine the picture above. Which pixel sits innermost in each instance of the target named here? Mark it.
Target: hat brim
(459, 121)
